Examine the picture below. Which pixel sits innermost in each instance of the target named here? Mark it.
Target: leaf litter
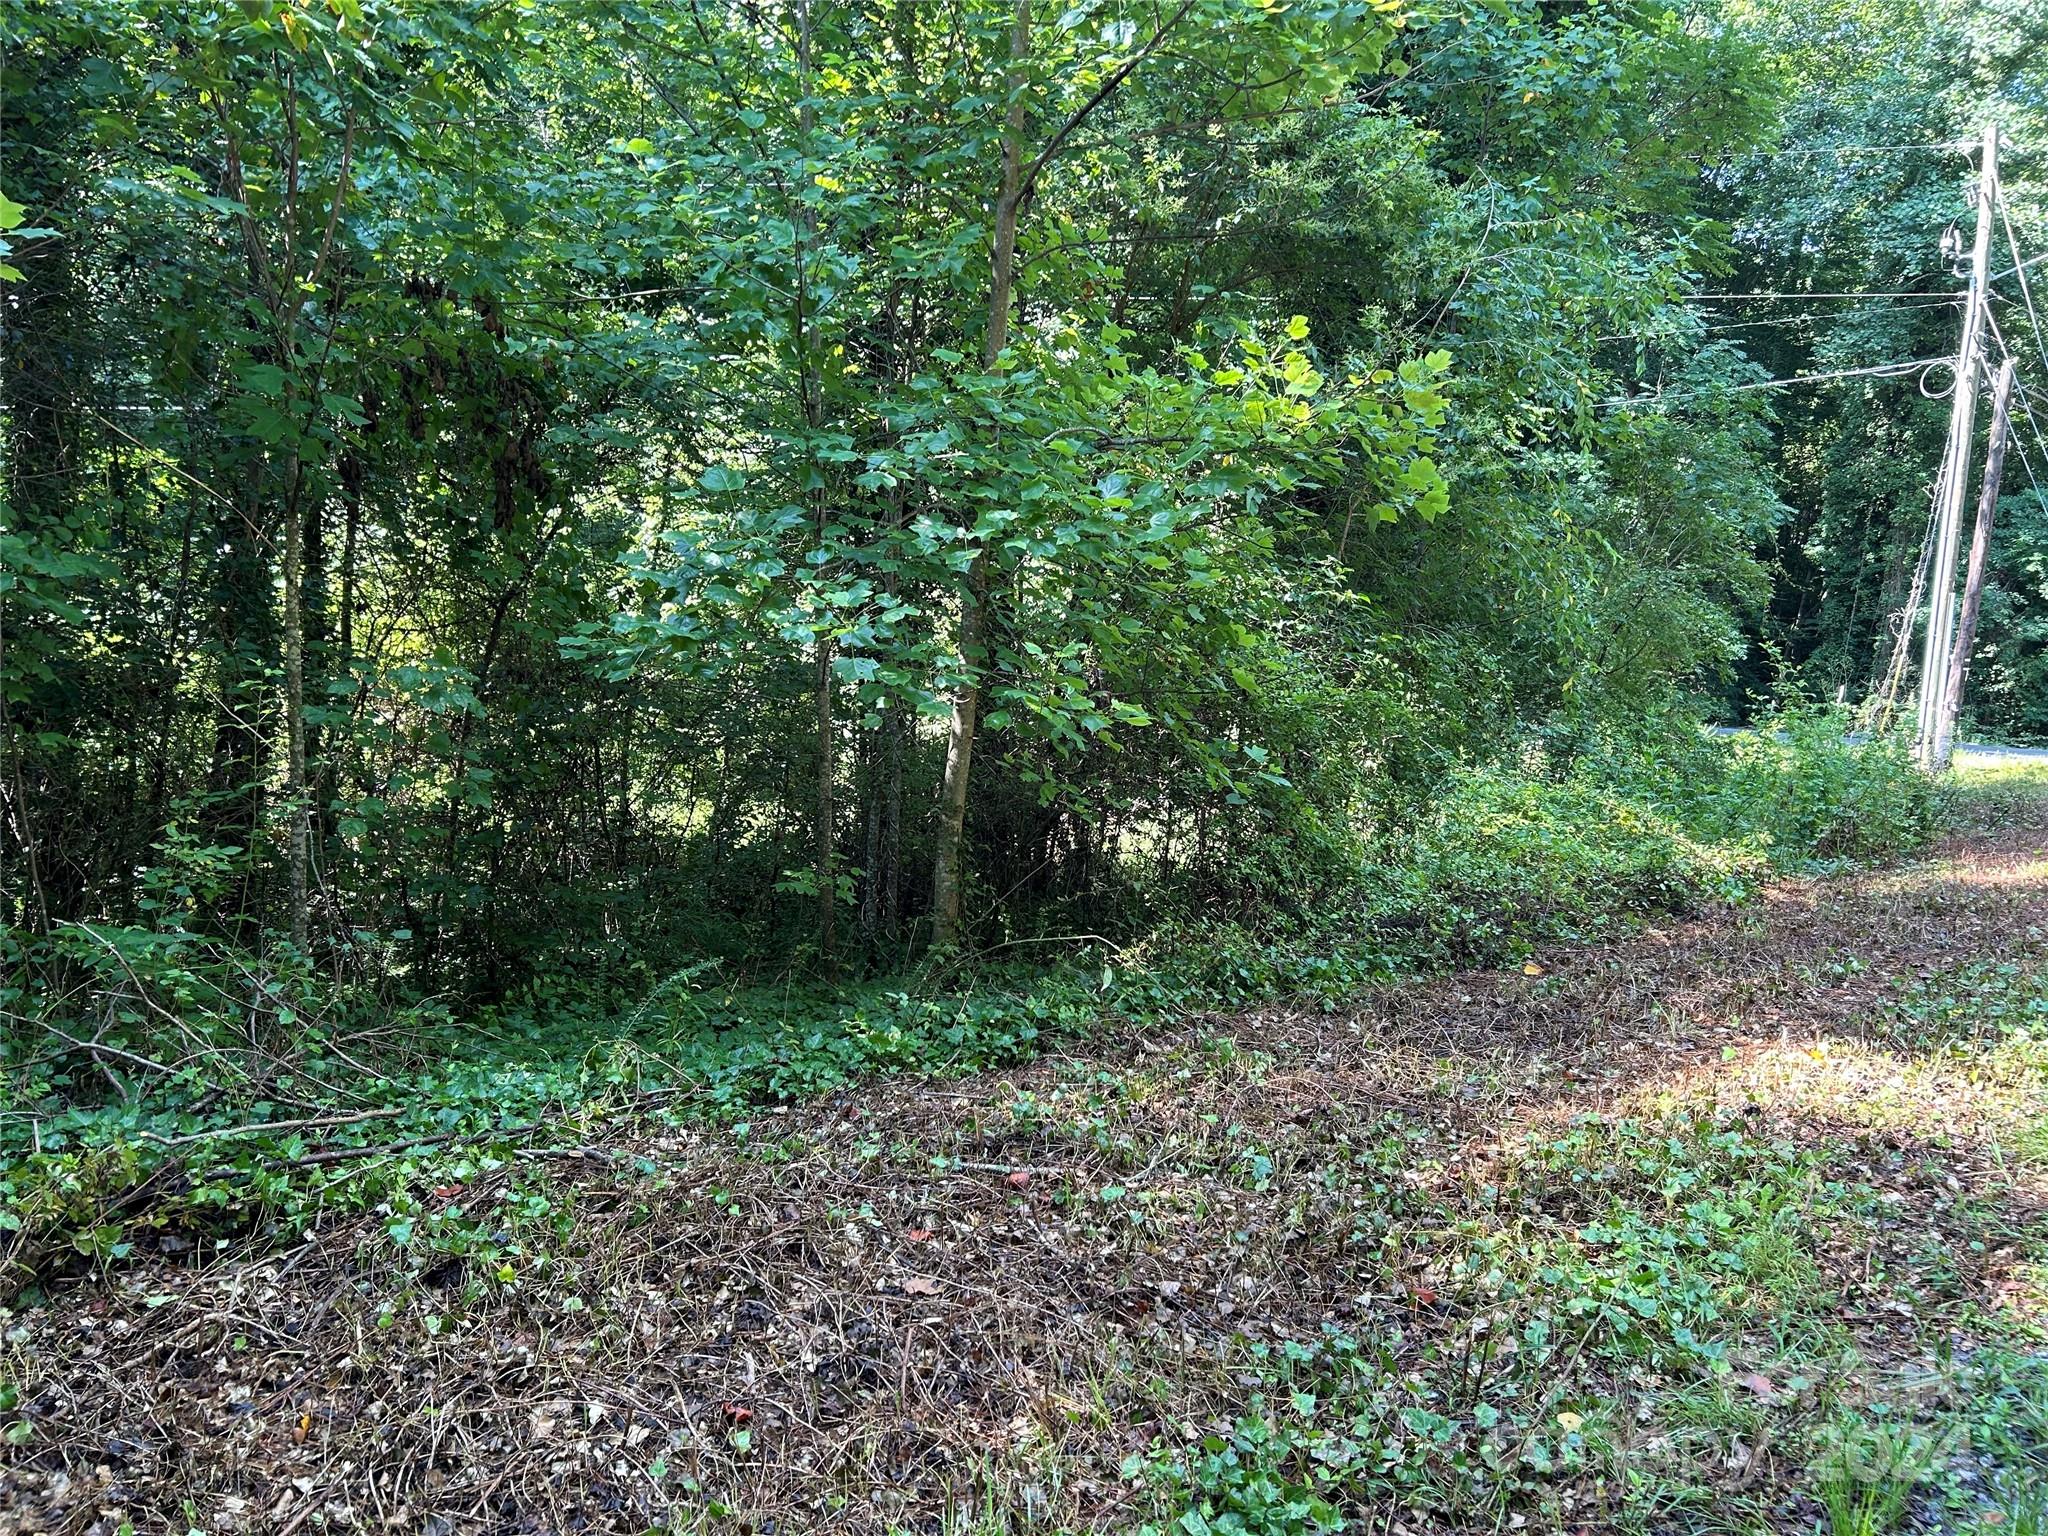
(1112, 1249)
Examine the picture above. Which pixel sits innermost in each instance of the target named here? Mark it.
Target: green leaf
(266, 379)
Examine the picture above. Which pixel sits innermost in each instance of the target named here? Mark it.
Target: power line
(1840, 314)
(2026, 290)
(2026, 462)
(1880, 370)
(1743, 325)
(1718, 298)
(2019, 385)
(2031, 261)
(1886, 698)
(1951, 147)
(2034, 426)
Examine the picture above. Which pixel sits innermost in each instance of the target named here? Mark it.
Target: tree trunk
(40, 385)
(947, 860)
(810, 384)
(893, 727)
(242, 637)
(823, 865)
(340, 658)
(296, 806)
(871, 840)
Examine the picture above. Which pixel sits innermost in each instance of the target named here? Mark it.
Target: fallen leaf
(1761, 1385)
(918, 1235)
(1531, 968)
(920, 1285)
(738, 1413)
(1018, 1179)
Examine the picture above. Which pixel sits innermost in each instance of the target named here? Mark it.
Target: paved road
(1984, 753)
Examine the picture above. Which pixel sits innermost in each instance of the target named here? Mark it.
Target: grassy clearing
(1736, 1225)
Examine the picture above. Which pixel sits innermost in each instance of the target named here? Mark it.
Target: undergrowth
(1270, 1288)
(184, 1086)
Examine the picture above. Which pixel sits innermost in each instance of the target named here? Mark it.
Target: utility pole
(1962, 427)
(1980, 554)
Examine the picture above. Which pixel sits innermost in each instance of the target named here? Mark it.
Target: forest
(968, 766)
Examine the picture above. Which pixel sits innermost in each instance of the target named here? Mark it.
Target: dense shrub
(1802, 788)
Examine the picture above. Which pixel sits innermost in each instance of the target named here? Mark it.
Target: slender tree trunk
(345, 609)
(242, 639)
(174, 670)
(296, 798)
(622, 832)
(892, 819)
(948, 858)
(871, 840)
(824, 865)
(318, 600)
(340, 659)
(51, 815)
(297, 803)
(715, 824)
(885, 877)
(824, 871)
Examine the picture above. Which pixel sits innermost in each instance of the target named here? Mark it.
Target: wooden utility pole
(1962, 428)
(1980, 554)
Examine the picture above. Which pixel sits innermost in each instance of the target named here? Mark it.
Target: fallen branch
(314, 1122)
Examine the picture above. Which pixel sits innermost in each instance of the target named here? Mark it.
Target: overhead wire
(1841, 314)
(2026, 459)
(1901, 624)
(2026, 410)
(2031, 261)
(1768, 320)
(2019, 385)
(1884, 702)
(1951, 146)
(2033, 426)
(1792, 296)
(1878, 370)
(1943, 482)
(1895, 672)
(1883, 705)
(2026, 289)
